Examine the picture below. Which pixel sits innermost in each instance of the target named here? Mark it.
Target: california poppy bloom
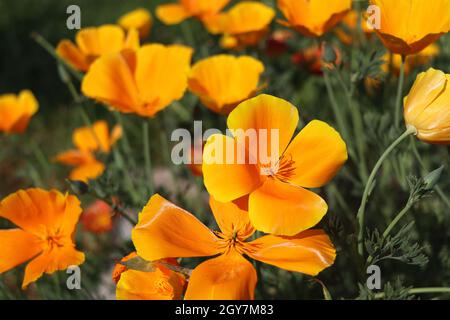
(247, 22)
(46, 222)
(160, 284)
(143, 81)
(97, 137)
(175, 13)
(139, 19)
(93, 42)
(427, 107)
(409, 26)
(346, 32)
(278, 201)
(97, 218)
(16, 111)
(223, 81)
(313, 18)
(87, 167)
(229, 275)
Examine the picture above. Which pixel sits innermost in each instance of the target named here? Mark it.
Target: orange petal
(227, 277)
(87, 171)
(102, 40)
(172, 13)
(51, 261)
(308, 252)
(266, 112)
(226, 176)
(231, 219)
(139, 19)
(282, 209)
(74, 157)
(67, 50)
(167, 231)
(161, 75)
(110, 80)
(17, 246)
(37, 211)
(318, 152)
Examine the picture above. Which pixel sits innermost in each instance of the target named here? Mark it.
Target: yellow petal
(226, 177)
(87, 171)
(318, 152)
(67, 50)
(167, 231)
(308, 252)
(282, 209)
(102, 40)
(266, 112)
(17, 246)
(172, 13)
(139, 19)
(227, 277)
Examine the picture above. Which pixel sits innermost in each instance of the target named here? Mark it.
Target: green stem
(125, 141)
(361, 211)
(420, 291)
(127, 178)
(398, 100)
(116, 208)
(51, 50)
(147, 156)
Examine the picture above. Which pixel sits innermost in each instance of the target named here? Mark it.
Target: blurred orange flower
(16, 111)
(176, 13)
(311, 58)
(46, 222)
(409, 26)
(427, 107)
(139, 19)
(223, 81)
(93, 42)
(160, 284)
(143, 81)
(244, 24)
(346, 32)
(87, 141)
(278, 201)
(228, 276)
(97, 218)
(313, 18)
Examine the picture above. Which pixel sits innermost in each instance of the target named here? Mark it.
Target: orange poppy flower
(278, 201)
(313, 18)
(142, 82)
(427, 107)
(160, 284)
(139, 19)
(223, 81)
(16, 111)
(46, 222)
(87, 167)
(246, 23)
(97, 218)
(175, 13)
(93, 42)
(347, 32)
(97, 137)
(229, 275)
(409, 26)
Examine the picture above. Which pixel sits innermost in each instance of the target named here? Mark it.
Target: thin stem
(125, 141)
(147, 156)
(398, 100)
(115, 207)
(361, 211)
(51, 50)
(420, 291)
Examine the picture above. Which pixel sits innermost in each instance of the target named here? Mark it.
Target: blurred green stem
(420, 291)
(147, 156)
(369, 186)
(398, 100)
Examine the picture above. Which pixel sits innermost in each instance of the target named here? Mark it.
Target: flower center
(232, 241)
(284, 169)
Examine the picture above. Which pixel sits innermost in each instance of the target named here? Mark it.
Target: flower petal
(266, 112)
(87, 171)
(92, 138)
(282, 209)
(226, 176)
(16, 247)
(318, 152)
(67, 50)
(51, 261)
(167, 231)
(102, 40)
(227, 277)
(308, 252)
(172, 13)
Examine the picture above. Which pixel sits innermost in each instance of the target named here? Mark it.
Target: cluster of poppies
(265, 217)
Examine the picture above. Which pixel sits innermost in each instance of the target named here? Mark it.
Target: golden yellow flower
(139, 19)
(247, 22)
(16, 111)
(93, 42)
(427, 107)
(143, 81)
(313, 18)
(223, 81)
(409, 26)
(175, 13)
